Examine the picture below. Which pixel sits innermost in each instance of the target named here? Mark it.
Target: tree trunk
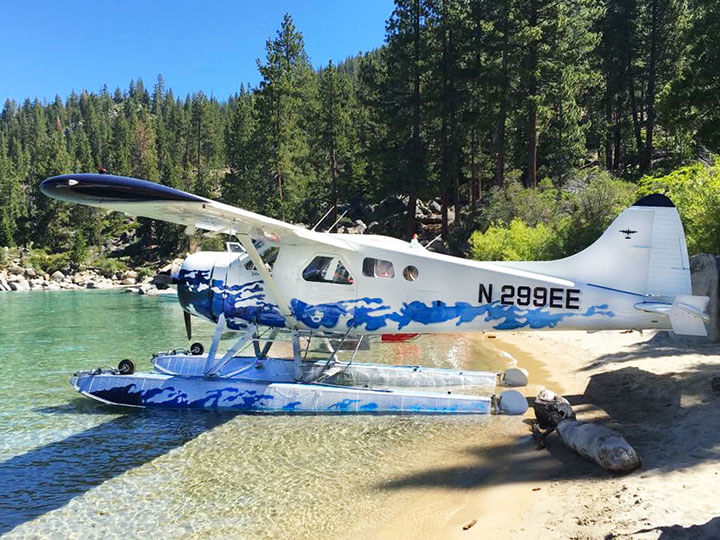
(608, 143)
(652, 68)
(634, 110)
(333, 184)
(617, 133)
(499, 178)
(415, 158)
(532, 105)
(474, 180)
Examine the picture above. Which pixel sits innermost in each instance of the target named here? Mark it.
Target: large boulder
(705, 272)
(705, 275)
(20, 285)
(57, 276)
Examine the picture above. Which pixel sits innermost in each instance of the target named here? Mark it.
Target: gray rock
(53, 286)
(30, 272)
(705, 272)
(705, 275)
(21, 285)
(128, 281)
(129, 274)
(358, 228)
(57, 276)
(91, 285)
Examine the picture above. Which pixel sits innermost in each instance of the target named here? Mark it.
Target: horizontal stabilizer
(687, 315)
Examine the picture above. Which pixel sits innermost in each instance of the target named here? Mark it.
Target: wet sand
(657, 394)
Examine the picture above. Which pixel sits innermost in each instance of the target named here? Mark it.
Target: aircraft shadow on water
(49, 476)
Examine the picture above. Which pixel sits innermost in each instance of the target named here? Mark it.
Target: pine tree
(406, 101)
(284, 103)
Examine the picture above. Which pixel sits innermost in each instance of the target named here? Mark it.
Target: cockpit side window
(378, 268)
(327, 270)
(268, 255)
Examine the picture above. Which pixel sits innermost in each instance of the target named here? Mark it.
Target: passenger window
(327, 270)
(378, 268)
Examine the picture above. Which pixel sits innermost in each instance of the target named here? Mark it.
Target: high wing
(148, 199)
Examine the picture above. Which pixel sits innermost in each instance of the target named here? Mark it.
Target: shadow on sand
(705, 531)
(49, 476)
(638, 403)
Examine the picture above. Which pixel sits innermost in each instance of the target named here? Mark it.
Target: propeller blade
(188, 325)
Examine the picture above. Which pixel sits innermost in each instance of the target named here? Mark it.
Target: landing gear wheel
(197, 349)
(126, 367)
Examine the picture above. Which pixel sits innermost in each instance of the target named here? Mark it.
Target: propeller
(188, 325)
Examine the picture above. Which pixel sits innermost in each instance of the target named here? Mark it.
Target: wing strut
(282, 304)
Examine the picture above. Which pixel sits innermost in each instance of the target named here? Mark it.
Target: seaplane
(279, 279)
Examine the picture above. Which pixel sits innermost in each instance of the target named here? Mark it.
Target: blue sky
(54, 47)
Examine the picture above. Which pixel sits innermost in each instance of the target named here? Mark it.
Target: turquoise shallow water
(72, 467)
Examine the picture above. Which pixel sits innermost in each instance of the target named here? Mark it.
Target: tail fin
(643, 251)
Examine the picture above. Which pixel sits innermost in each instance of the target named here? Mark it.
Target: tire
(197, 349)
(126, 367)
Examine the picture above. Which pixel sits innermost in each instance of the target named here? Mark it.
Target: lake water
(71, 467)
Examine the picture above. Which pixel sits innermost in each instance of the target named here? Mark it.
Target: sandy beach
(656, 393)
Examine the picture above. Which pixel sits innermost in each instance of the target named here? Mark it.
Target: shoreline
(18, 277)
(654, 392)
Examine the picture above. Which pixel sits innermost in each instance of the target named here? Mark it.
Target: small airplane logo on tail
(628, 233)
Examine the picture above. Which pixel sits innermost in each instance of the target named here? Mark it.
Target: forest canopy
(531, 124)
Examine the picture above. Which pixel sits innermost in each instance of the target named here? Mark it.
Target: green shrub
(592, 203)
(533, 206)
(109, 267)
(547, 222)
(49, 262)
(146, 271)
(695, 191)
(518, 242)
(79, 253)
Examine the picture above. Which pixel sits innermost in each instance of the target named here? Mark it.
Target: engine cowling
(202, 281)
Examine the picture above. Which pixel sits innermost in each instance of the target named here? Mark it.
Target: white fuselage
(379, 285)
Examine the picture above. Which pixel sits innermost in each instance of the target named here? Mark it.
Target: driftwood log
(604, 446)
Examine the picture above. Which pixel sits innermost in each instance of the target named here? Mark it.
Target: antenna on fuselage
(431, 242)
(323, 218)
(337, 221)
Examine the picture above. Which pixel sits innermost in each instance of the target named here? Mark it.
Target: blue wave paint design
(225, 398)
(245, 303)
(372, 314)
(242, 304)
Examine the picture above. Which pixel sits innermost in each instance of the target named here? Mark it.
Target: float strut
(297, 358)
(239, 344)
(214, 344)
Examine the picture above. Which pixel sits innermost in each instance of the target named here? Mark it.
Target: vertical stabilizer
(643, 251)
